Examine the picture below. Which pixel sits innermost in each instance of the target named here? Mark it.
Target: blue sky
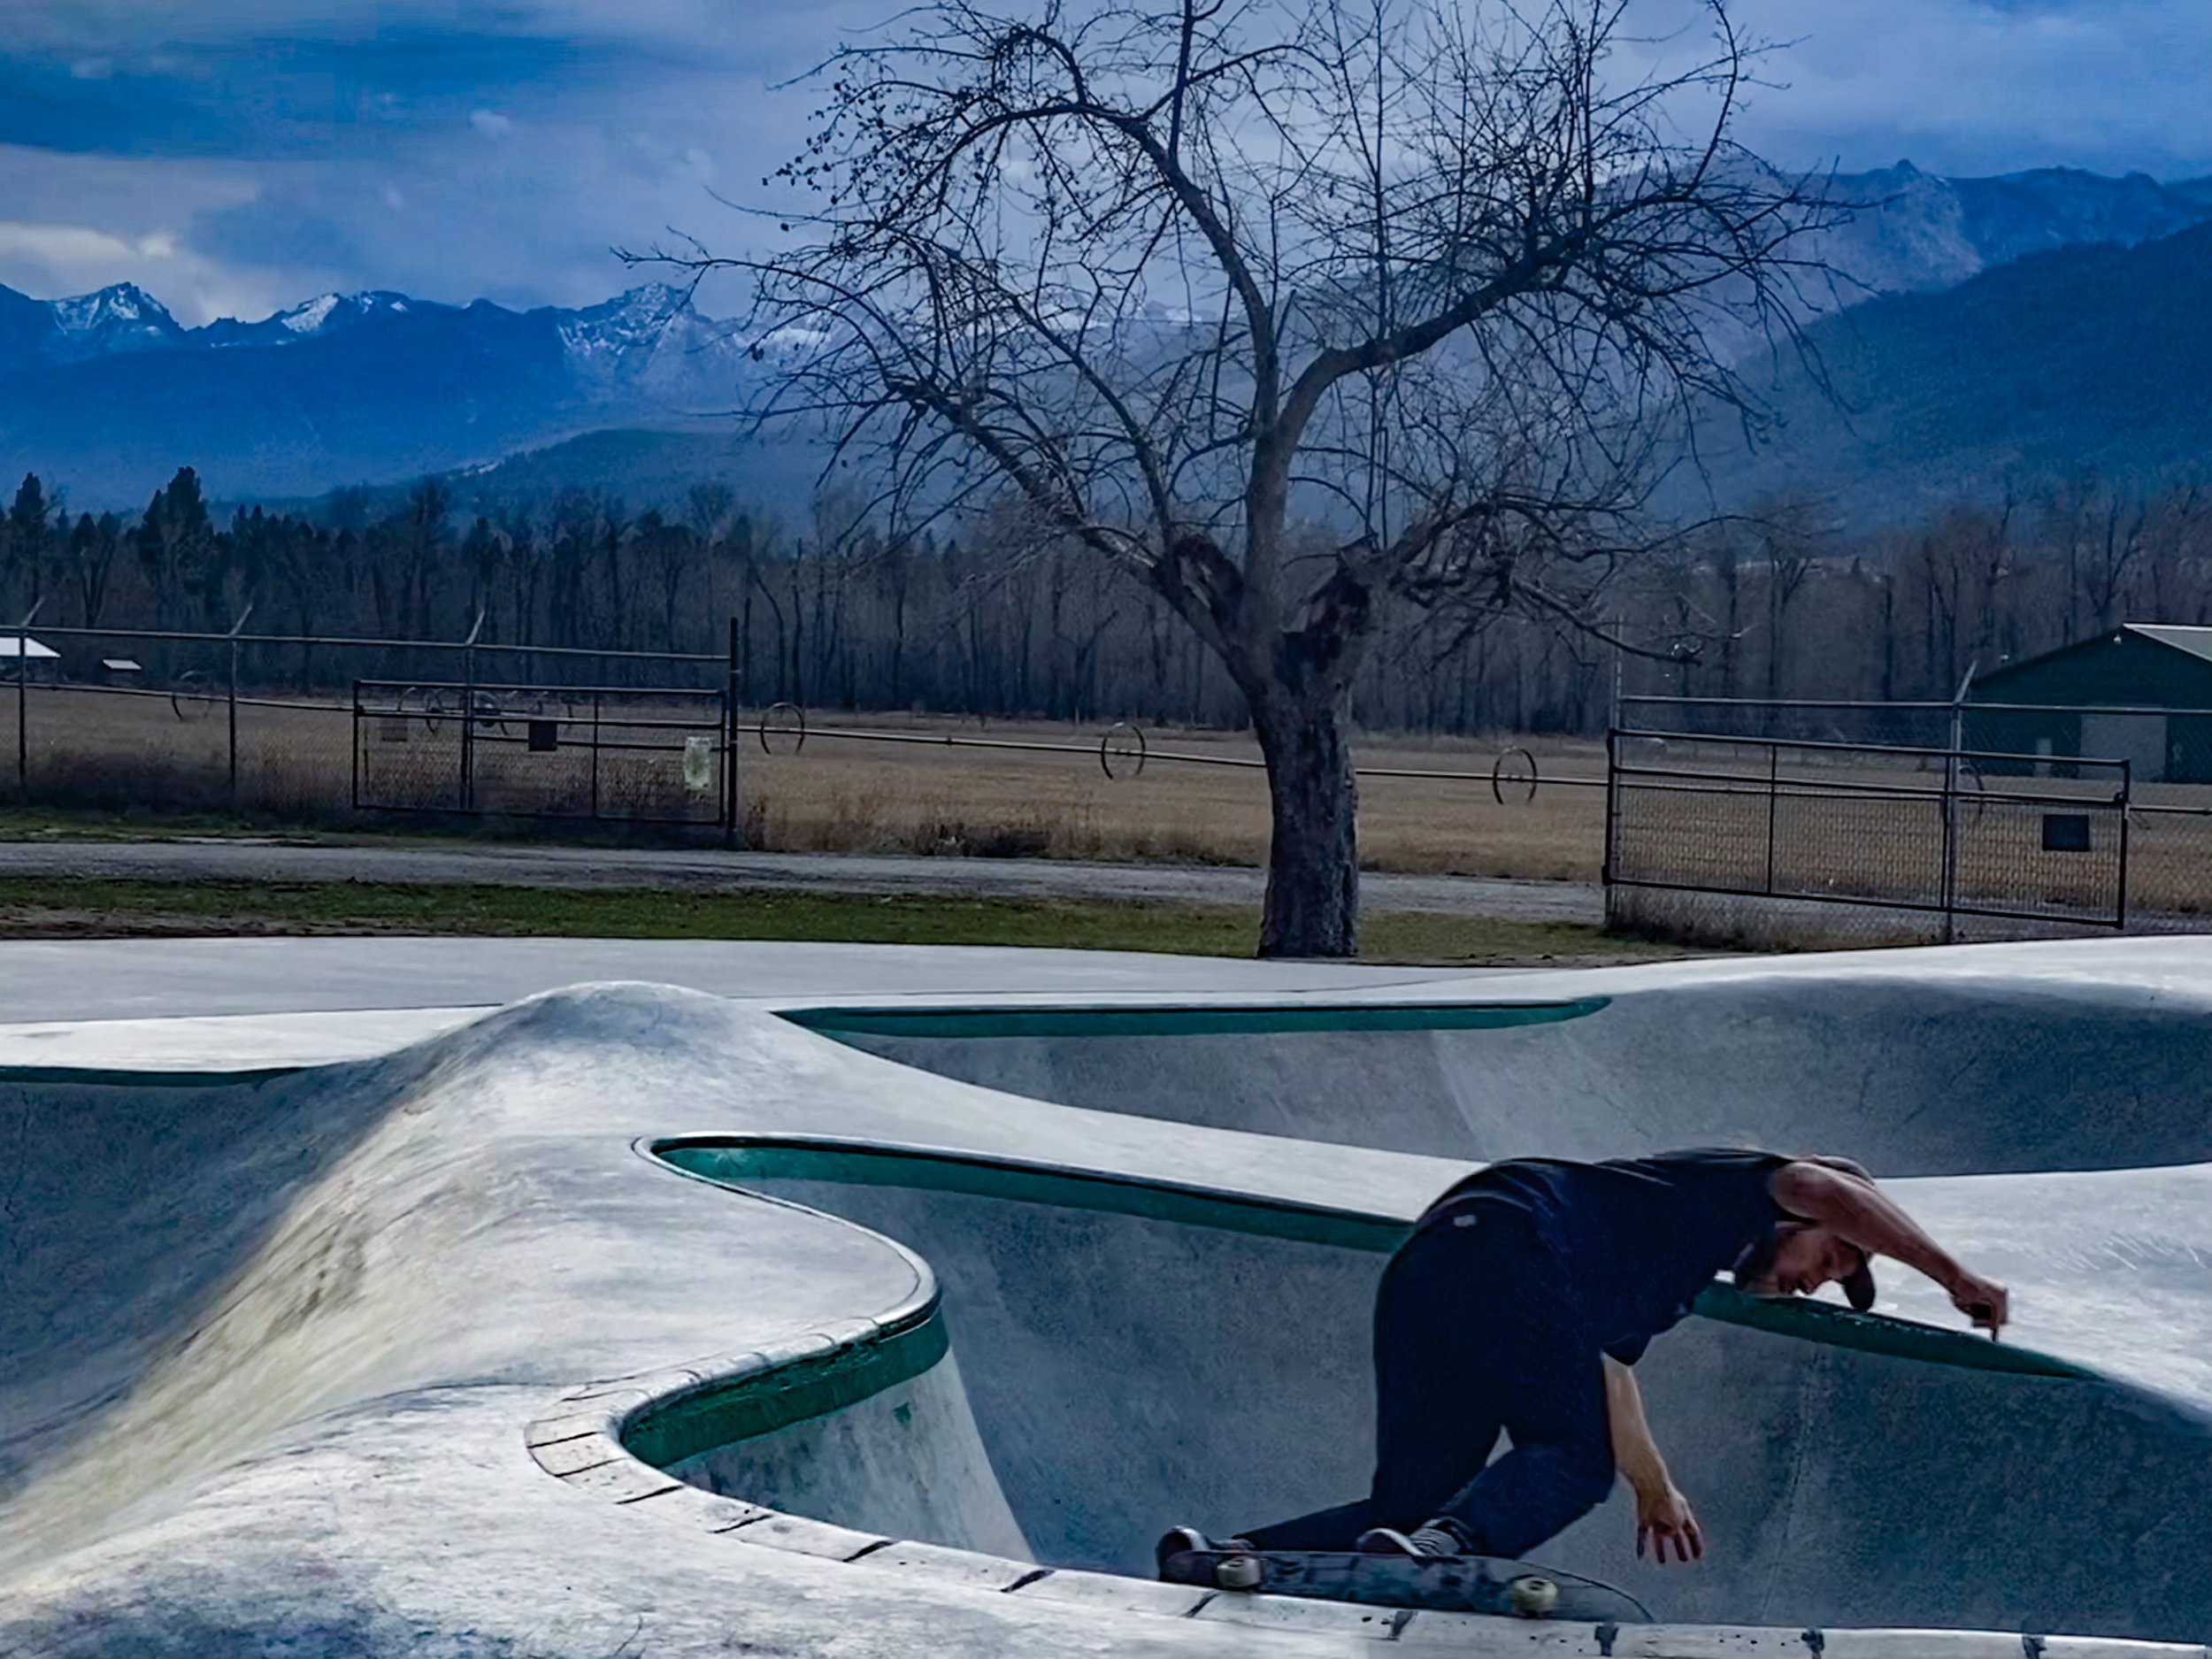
(235, 156)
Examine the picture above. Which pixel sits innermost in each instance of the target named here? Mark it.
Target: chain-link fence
(641, 755)
(330, 730)
(1773, 823)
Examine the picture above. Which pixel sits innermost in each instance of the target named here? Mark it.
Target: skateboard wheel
(1531, 1597)
(1239, 1573)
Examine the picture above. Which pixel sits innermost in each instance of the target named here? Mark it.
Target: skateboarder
(1521, 1302)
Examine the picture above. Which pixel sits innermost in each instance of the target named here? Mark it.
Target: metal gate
(1962, 832)
(657, 755)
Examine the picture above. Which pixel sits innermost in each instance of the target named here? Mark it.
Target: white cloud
(78, 244)
(1963, 87)
(56, 261)
(625, 144)
(73, 223)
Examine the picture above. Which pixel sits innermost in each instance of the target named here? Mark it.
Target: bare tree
(1792, 541)
(1420, 277)
(93, 545)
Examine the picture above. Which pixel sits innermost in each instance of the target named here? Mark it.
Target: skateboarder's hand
(1664, 1523)
(1984, 1300)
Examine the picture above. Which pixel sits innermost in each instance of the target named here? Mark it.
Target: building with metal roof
(20, 654)
(2141, 693)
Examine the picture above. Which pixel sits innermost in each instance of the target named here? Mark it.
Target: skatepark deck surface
(839, 1300)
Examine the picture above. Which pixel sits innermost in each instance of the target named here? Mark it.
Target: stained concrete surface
(270, 1362)
(43, 980)
(1964, 1077)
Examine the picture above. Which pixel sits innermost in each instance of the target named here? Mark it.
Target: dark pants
(1476, 1330)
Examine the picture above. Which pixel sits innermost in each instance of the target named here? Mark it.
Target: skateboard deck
(1457, 1583)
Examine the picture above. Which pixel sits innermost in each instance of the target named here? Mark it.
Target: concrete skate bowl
(127, 1209)
(1912, 1074)
(1111, 1356)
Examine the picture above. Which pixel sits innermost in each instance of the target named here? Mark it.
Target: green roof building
(2139, 692)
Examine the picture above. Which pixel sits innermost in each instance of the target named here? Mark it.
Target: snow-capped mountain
(105, 394)
(108, 395)
(324, 314)
(614, 340)
(123, 318)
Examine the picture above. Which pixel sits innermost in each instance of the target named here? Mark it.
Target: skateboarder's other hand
(1665, 1523)
(1984, 1300)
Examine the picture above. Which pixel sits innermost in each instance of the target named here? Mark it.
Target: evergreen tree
(178, 551)
(29, 538)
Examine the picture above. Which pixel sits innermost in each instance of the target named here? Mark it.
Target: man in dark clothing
(1526, 1294)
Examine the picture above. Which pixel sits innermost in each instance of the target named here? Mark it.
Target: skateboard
(1456, 1583)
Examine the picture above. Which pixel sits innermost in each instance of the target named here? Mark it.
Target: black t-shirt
(1639, 1237)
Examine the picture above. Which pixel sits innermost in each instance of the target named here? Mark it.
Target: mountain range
(2082, 363)
(108, 393)
(1990, 328)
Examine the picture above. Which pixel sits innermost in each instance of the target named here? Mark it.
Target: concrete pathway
(103, 979)
(515, 865)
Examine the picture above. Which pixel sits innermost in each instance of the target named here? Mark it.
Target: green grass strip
(65, 907)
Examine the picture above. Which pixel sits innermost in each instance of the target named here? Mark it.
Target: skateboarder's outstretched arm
(1664, 1519)
(1859, 1212)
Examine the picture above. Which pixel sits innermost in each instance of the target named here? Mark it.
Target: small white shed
(24, 654)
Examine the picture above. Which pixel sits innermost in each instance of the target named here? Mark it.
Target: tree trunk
(1312, 905)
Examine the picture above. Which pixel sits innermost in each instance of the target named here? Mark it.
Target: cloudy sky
(235, 155)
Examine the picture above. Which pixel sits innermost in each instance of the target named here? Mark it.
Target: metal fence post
(23, 699)
(468, 714)
(234, 704)
(1951, 809)
(733, 798)
(2127, 812)
(1774, 786)
(1612, 814)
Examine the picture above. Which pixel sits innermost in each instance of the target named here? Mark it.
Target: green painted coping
(731, 1161)
(1878, 1334)
(741, 1408)
(1272, 1020)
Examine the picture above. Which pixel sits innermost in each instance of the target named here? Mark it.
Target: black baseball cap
(1858, 1287)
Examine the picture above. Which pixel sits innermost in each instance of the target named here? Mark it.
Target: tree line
(999, 621)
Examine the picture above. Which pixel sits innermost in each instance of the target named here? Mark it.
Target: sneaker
(1180, 1540)
(1424, 1543)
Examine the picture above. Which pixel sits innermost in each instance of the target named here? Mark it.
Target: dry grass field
(131, 751)
(901, 783)
(841, 792)
(848, 792)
